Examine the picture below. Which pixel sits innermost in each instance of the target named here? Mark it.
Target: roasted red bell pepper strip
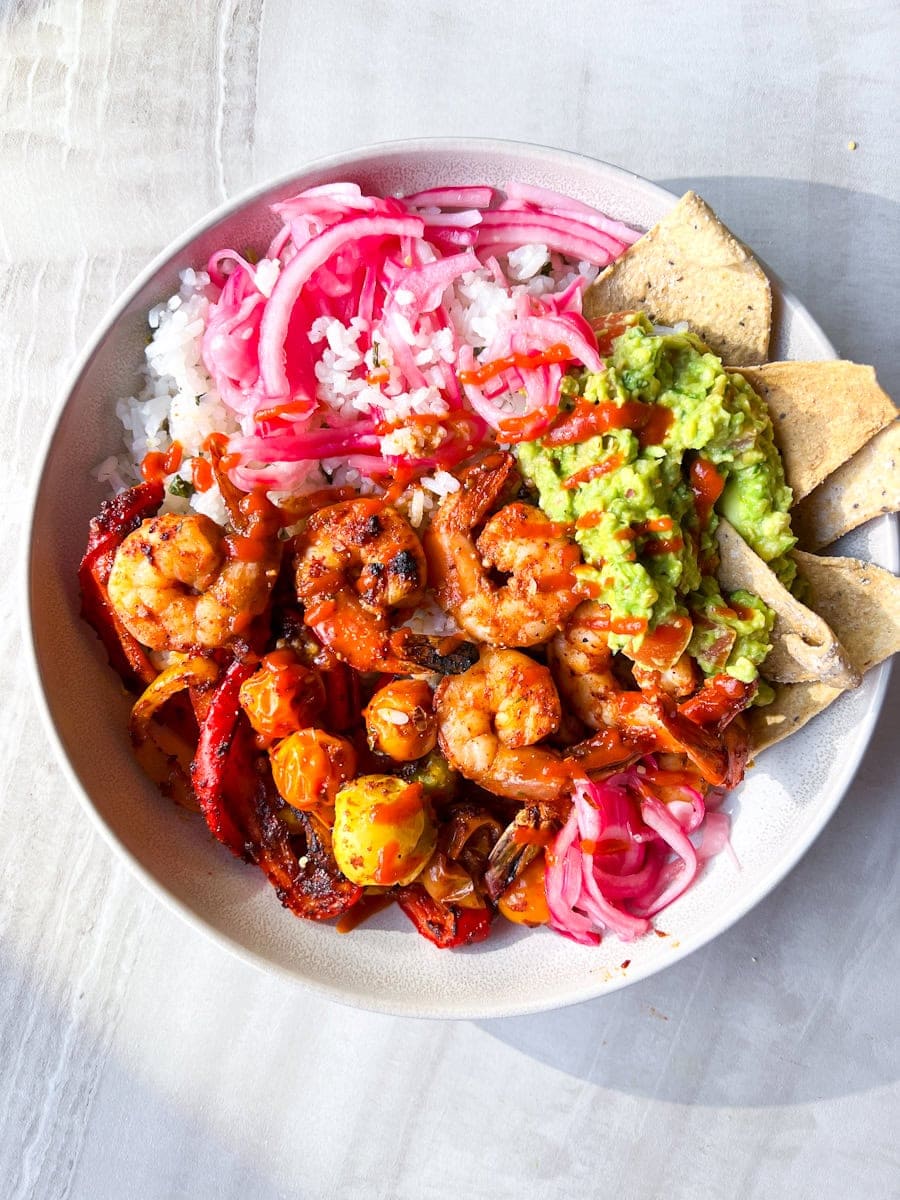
(117, 518)
(210, 771)
(342, 700)
(445, 925)
(236, 794)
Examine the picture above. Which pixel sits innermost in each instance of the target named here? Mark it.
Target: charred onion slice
(185, 672)
(163, 743)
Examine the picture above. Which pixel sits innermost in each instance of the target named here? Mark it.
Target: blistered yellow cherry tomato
(383, 830)
(400, 720)
(282, 695)
(310, 766)
(525, 900)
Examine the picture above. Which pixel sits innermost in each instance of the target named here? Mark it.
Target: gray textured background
(136, 1059)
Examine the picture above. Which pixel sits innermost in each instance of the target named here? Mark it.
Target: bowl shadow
(795, 1003)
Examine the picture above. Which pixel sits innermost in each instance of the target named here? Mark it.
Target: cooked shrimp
(679, 680)
(359, 563)
(179, 582)
(519, 541)
(581, 662)
(366, 545)
(489, 720)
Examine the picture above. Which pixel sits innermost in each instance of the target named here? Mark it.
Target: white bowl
(383, 965)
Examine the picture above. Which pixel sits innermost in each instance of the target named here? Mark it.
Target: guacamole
(639, 459)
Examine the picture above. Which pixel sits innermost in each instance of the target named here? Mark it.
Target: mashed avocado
(636, 461)
(730, 636)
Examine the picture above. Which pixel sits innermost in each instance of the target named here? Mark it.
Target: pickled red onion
(285, 294)
(385, 264)
(451, 197)
(555, 202)
(624, 855)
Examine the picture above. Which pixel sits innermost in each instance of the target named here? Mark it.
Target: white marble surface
(136, 1059)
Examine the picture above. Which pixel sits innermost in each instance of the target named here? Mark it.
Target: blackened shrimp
(359, 567)
(533, 556)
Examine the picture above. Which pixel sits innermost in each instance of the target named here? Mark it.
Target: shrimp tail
(737, 747)
(652, 722)
(240, 805)
(519, 845)
(482, 486)
(719, 701)
(703, 748)
(718, 705)
(117, 518)
(354, 635)
(607, 750)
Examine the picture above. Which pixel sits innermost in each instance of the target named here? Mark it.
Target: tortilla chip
(861, 602)
(822, 412)
(793, 706)
(862, 489)
(804, 648)
(691, 268)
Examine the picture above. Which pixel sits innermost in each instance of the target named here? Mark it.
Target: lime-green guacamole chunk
(640, 460)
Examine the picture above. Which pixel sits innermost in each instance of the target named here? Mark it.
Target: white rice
(429, 617)
(179, 401)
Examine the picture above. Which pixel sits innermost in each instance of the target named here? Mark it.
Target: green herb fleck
(181, 487)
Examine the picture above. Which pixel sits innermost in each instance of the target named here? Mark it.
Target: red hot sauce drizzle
(586, 420)
(157, 464)
(707, 486)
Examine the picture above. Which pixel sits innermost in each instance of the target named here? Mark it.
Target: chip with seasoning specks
(793, 706)
(823, 412)
(860, 601)
(865, 487)
(690, 267)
